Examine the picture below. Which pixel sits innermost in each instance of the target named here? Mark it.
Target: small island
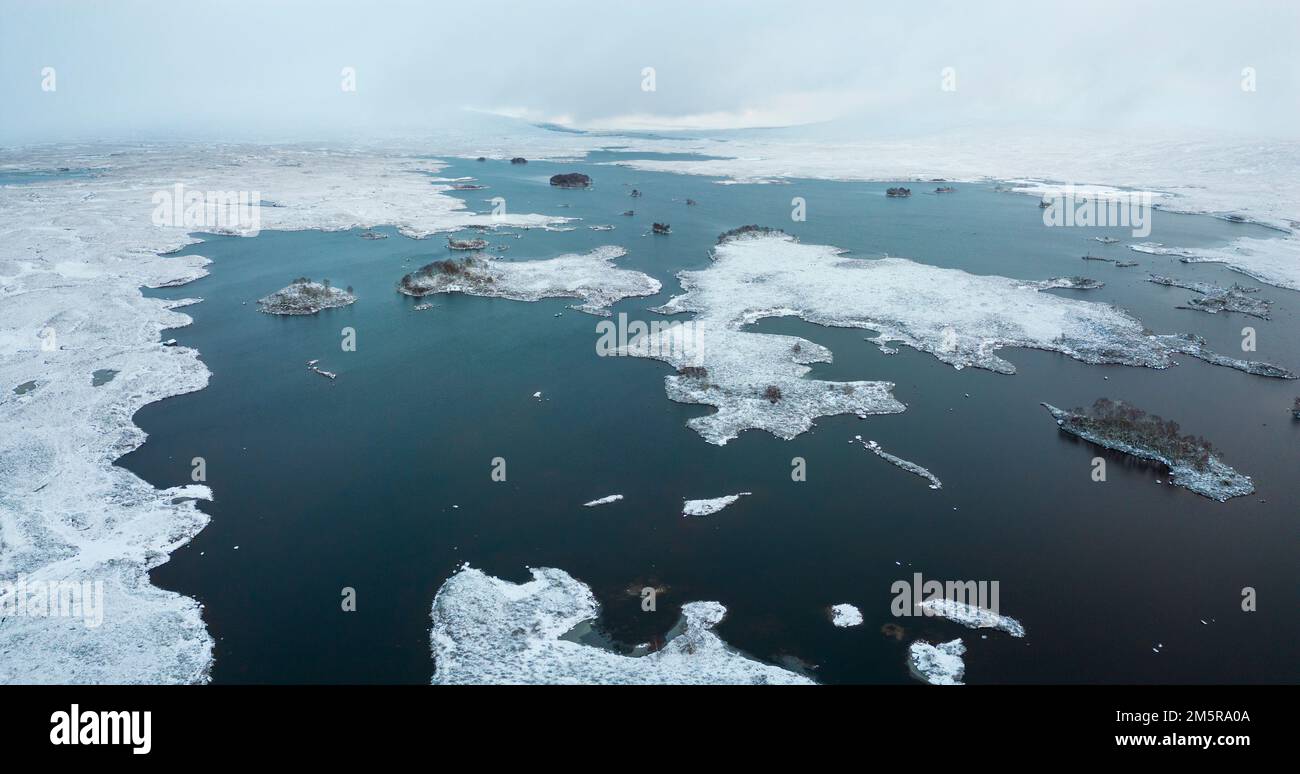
(303, 296)
(466, 244)
(519, 160)
(1125, 428)
(750, 230)
(898, 192)
(1068, 283)
(571, 180)
(591, 277)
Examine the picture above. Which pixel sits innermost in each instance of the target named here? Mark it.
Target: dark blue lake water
(352, 483)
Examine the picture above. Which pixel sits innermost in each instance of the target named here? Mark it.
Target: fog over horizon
(273, 71)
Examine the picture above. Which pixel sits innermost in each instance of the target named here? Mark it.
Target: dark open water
(326, 484)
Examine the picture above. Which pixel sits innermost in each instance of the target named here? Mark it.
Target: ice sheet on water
(757, 380)
(488, 631)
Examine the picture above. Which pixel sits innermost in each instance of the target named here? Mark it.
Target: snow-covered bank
(1272, 261)
(1207, 175)
(74, 253)
(757, 380)
(590, 276)
(1207, 475)
(491, 631)
(1191, 344)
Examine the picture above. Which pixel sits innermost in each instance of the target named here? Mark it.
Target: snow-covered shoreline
(74, 255)
(1240, 180)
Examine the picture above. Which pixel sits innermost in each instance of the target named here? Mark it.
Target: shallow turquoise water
(29, 176)
(351, 483)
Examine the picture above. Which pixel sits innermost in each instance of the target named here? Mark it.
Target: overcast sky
(247, 70)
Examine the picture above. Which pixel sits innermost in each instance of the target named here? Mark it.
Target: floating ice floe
(938, 664)
(710, 506)
(604, 500)
(910, 467)
(590, 276)
(845, 615)
(972, 617)
(491, 631)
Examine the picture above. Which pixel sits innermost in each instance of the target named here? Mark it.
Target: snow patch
(711, 506)
(938, 664)
(604, 500)
(490, 631)
(972, 617)
(845, 615)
